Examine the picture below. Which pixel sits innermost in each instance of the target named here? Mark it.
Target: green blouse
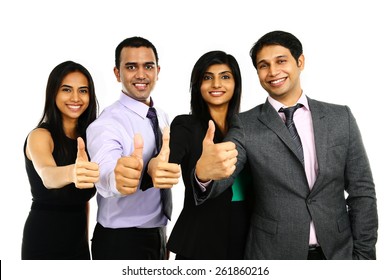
(241, 184)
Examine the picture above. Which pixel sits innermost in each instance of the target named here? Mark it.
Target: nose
(75, 96)
(273, 70)
(140, 73)
(217, 83)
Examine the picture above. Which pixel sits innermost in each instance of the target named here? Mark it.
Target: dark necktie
(289, 113)
(166, 194)
(152, 115)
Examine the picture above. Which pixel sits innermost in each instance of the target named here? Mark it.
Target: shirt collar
(136, 106)
(277, 105)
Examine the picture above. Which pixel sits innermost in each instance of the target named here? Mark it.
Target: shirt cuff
(113, 189)
(202, 185)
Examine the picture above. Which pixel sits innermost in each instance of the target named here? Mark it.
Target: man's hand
(128, 170)
(217, 160)
(85, 173)
(164, 174)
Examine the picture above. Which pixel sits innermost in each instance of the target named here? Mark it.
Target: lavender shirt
(110, 137)
(304, 124)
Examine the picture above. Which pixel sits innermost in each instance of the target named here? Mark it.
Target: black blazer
(200, 231)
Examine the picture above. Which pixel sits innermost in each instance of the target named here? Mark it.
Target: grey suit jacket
(342, 202)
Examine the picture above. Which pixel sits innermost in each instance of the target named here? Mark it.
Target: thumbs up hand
(217, 160)
(165, 151)
(128, 169)
(85, 173)
(164, 174)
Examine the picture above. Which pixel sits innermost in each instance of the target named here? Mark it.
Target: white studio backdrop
(345, 43)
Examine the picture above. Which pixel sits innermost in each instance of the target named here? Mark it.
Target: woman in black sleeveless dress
(58, 168)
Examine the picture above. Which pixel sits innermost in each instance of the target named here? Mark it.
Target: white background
(346, 45)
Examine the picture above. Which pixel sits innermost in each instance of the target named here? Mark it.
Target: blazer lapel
(320, 127)
(270, 118)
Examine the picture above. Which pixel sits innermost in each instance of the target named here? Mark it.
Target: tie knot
(152, 114)
(289, 111)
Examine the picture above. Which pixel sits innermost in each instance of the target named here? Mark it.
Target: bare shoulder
(39, 134)
(39, 140)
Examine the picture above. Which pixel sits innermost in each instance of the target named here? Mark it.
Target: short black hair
(133, 42)
(277, 37)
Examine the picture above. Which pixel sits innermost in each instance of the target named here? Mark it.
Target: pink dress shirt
(304, 124)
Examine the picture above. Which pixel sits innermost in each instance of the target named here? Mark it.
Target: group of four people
(261, 184)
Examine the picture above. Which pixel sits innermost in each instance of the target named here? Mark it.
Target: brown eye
(149, 67)
(66, 89)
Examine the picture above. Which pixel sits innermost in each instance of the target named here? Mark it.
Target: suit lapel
(270, 118)
(320, 127)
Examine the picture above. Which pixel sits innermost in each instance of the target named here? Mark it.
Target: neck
(219, 116)
(70, 129)
(288, 100)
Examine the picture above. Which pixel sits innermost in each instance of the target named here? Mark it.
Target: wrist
(198, 175)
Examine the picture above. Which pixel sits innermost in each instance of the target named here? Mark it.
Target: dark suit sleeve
(361, 200)
(181, 134)
(236, 135)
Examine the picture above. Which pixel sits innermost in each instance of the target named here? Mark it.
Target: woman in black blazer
(216, 229)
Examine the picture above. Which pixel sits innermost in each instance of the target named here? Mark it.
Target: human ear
(301, 62)
(117, 74)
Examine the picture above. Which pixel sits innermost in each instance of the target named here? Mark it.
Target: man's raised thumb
(138, 146)
(164, 152)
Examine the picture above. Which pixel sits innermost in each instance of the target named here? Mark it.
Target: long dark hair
(52, 117)
(199, 107)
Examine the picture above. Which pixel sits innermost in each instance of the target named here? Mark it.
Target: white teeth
(216, 93)
(278, 81)
(74, 106)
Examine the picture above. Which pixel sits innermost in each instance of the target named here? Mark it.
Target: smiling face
(73, 96)
(138, 72)
(217, 87)
(279, 73)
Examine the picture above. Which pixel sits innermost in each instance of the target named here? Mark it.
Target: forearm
(361, 198)
(106, 186)
(56, 177)
(364, 231)
(364, 221)
(211, 190)
(106, 156)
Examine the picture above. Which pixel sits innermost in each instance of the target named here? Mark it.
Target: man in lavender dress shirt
(130, 222)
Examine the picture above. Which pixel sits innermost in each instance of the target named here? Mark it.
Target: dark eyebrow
(82, 87)
(261, 61)
(225, 72)
(136, 63)
(277, 57)
(221, 73)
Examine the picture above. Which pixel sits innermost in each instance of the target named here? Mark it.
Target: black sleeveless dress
(56, 227)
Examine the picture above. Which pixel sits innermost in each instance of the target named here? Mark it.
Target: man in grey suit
(314, 195)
